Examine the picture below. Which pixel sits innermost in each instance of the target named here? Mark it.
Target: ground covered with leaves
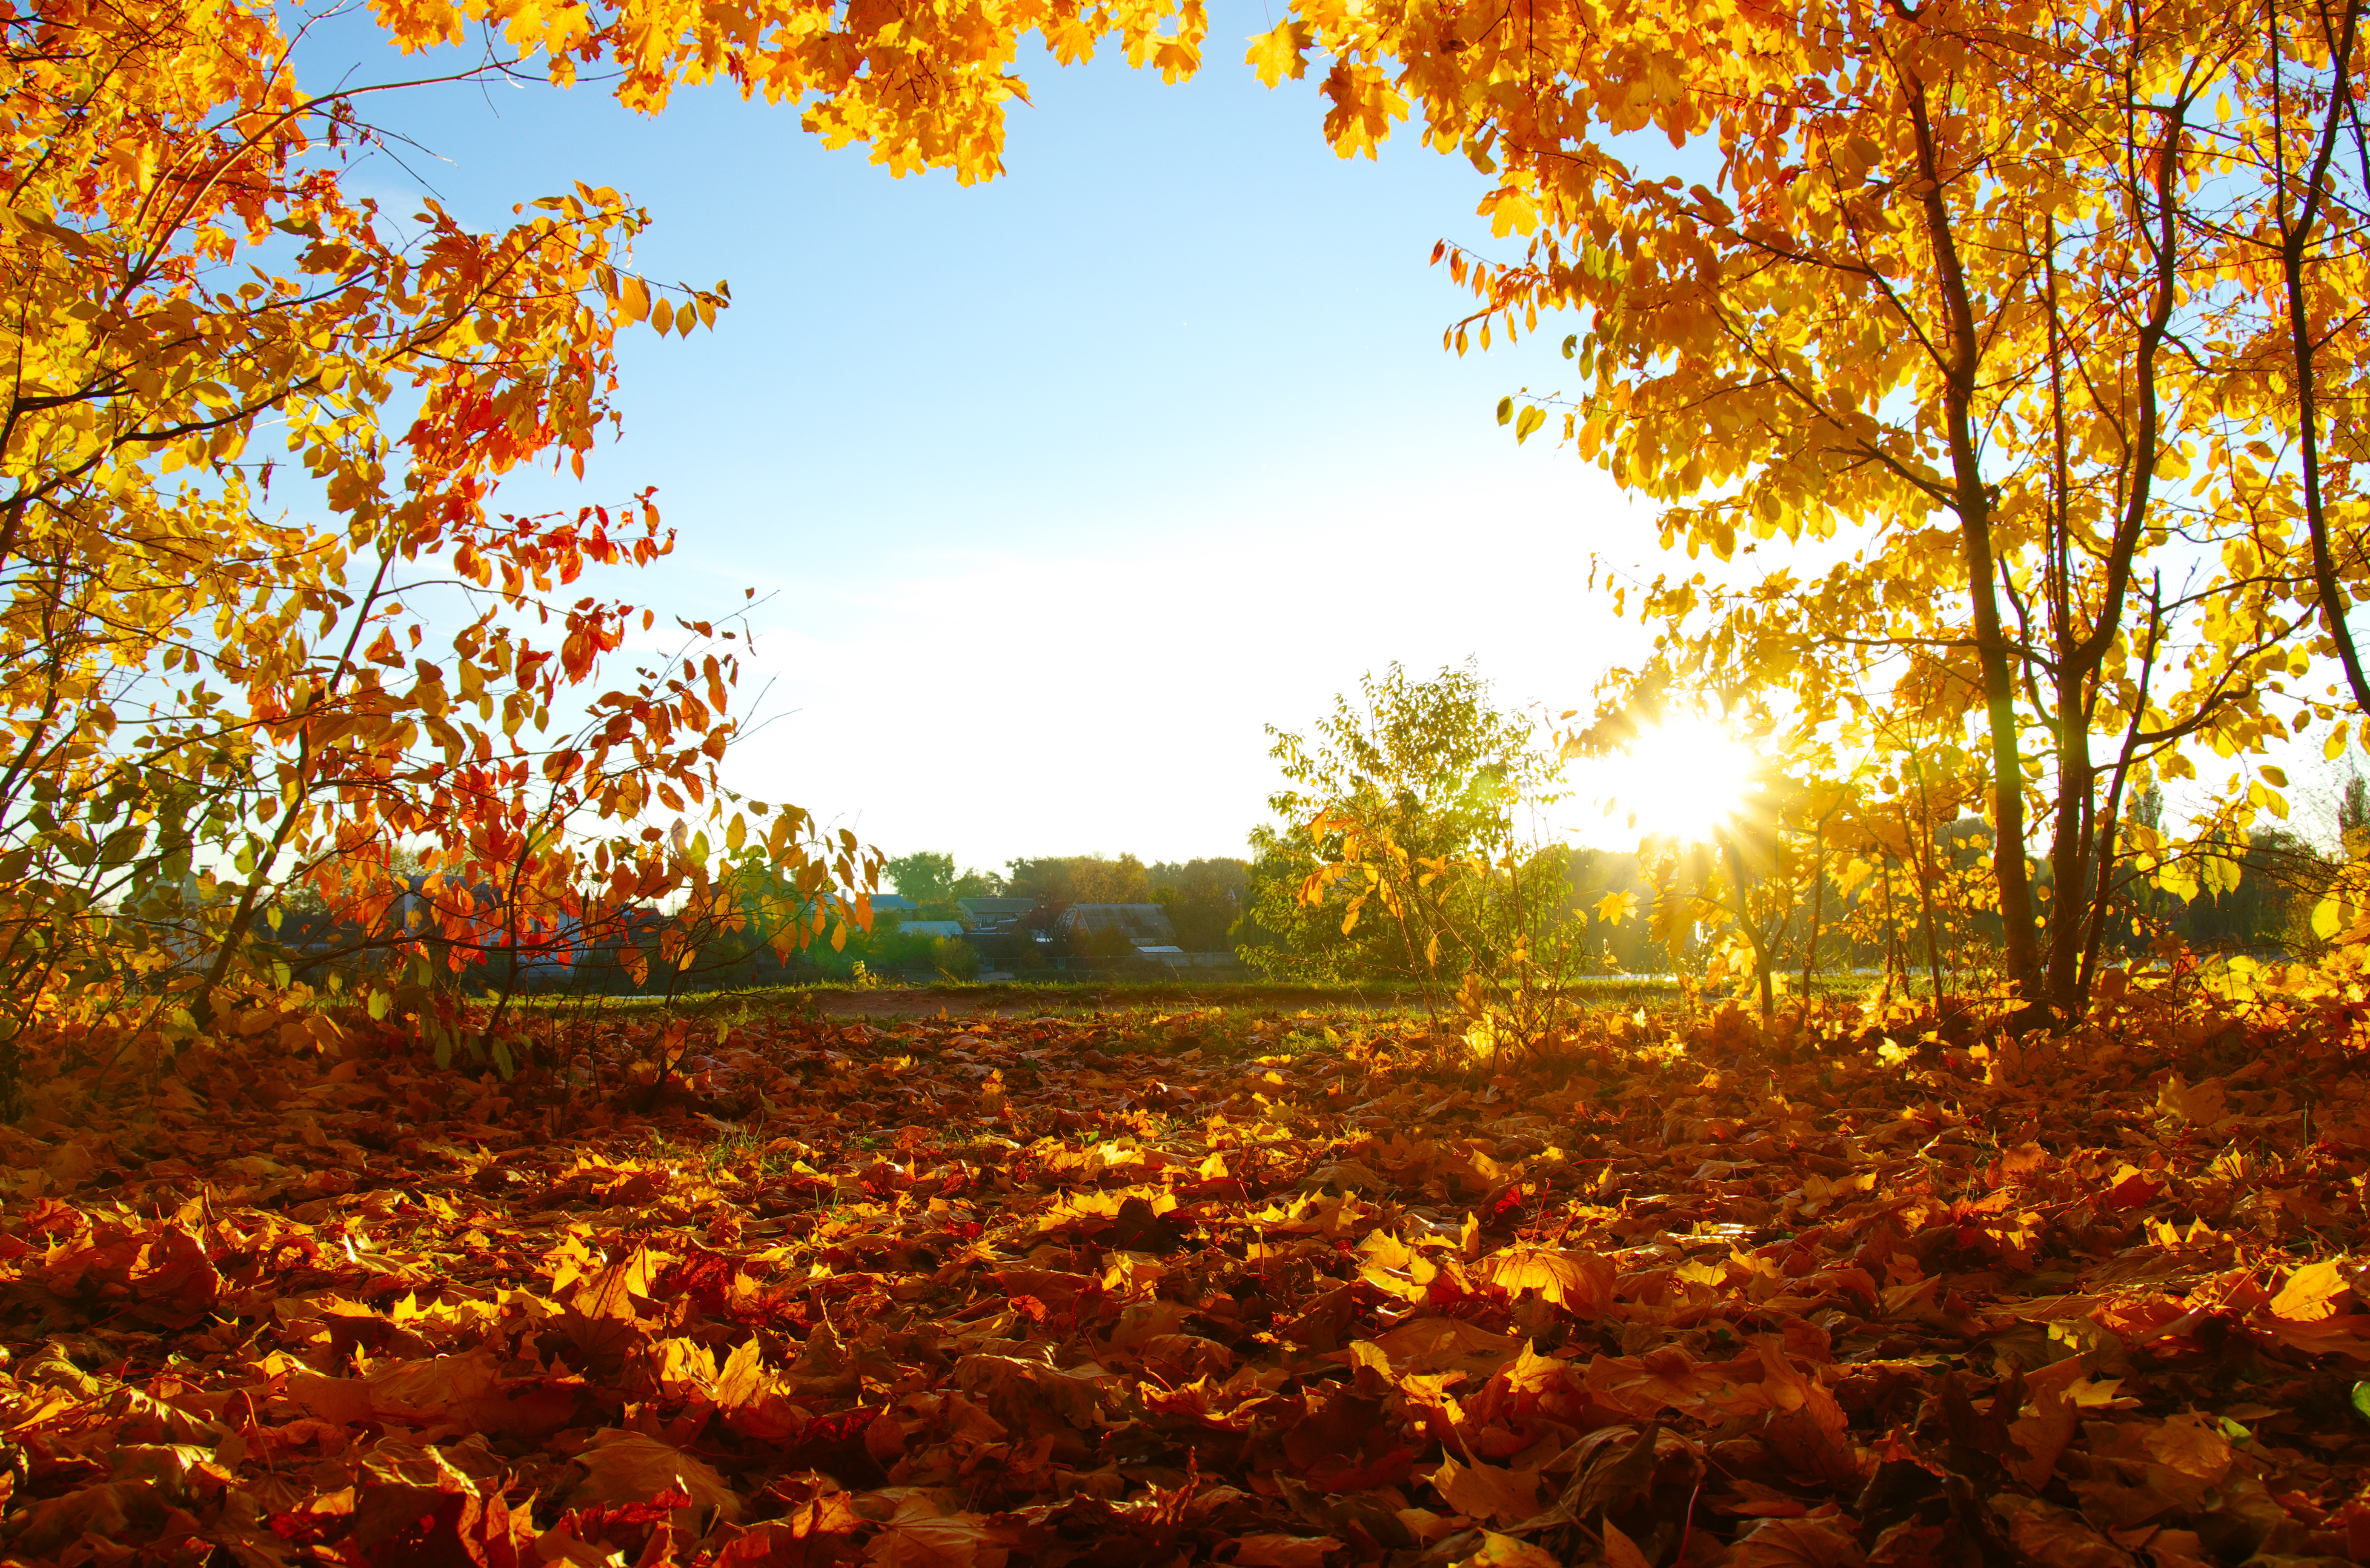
(1281, 1292)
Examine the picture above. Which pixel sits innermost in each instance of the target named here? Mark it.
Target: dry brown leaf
(1283, 1551)
(1795, 1543)
(1489, 1492)
(2054, 1536)
(1620, 1552)
(917, 1536)
(632, 1466)
(1495, 1550)
(979, 1336)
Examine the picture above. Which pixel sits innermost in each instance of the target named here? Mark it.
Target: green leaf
(2362, 1401)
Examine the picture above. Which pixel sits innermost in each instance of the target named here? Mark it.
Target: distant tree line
(1405, 847)
(1406, 844)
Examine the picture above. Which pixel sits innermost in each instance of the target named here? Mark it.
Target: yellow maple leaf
(2311, 1293)
(1276, 53)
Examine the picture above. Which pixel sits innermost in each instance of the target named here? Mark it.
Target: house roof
(995, 905)
(1141, 923)
(993, 912)
(891, 904)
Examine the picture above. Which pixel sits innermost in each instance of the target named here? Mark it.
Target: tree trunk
(2070, 851)
(1926, 886)
(2295, 239)
(1818, 894)
(1895, 971)
(1972, 499)
(1763, 960)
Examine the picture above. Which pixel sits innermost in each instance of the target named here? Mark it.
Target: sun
(1682, 777)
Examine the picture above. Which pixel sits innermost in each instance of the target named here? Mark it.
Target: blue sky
(1062, 485)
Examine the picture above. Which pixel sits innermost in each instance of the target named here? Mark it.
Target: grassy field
(1018, 996)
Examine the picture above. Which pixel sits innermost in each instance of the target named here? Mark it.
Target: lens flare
(1683, 778)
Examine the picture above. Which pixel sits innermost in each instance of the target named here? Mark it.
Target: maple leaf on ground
(918, 1536)
(1609, 1469)
(942, 1379)
(632, 1466)
(1440, 1344)
(1805, 1426)
(2052, 1535)
(1581, 1282)
(2042, 1436)
(814, 1528)
(2311, 1293)
(417, 1527)
(120, 1510)
(1496, 1551)
(1796, 1543)
(1489, 1492)
(1283, 1551)
(2199, 1104)
(1620, 1552)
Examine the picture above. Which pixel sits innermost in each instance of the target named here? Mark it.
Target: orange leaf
(1489, 1492)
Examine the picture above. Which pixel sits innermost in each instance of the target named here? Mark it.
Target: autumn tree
(203, 695)
(1401, 845)
(1062, 879)
(218, 691)
(1979, 300)
(186, 271)
(926, 876)
(1754, 879)
(2034, 310)
(1203, 897)
(1615, 880)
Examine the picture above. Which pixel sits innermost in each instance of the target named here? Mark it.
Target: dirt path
(929, 1001)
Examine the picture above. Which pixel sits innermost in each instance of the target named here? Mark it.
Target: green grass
(1117, 992)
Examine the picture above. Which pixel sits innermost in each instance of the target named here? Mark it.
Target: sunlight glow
(1682, 777)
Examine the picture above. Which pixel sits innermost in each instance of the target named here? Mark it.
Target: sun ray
(1682, 777)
